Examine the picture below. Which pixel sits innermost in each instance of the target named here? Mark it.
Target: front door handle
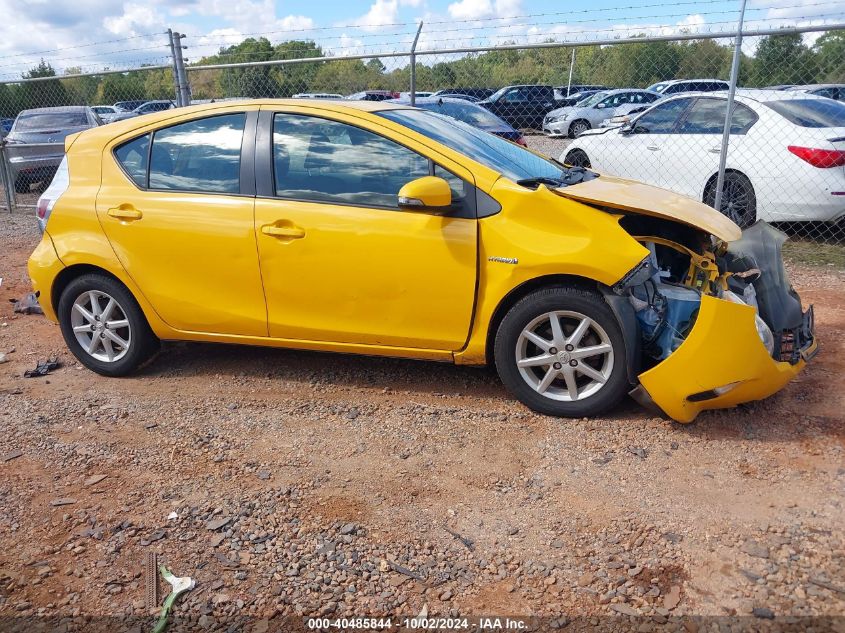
(715, 150)
(125, 212)
(653, 148)
(287, 232)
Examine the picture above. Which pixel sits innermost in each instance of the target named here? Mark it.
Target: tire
(570, 306)
(577, 128)
(739, 202)
(78, 306)
(577, 158)
(21, 185)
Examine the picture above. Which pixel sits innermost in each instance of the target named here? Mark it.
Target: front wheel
(104, 326)
(578, 128)
(561, 352)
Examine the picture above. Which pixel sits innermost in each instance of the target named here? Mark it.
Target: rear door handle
(287, 232)
(715, 150)
(125, 212)
(653, 148)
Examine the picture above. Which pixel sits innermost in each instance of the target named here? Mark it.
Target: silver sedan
(574, 120)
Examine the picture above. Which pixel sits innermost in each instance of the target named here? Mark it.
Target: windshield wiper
(540, 180)
(570, 176)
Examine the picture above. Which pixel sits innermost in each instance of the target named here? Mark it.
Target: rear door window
(201, 155)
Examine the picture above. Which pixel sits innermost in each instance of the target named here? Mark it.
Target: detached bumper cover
(721, 363)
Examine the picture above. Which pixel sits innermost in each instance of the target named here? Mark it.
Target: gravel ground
(291, 483)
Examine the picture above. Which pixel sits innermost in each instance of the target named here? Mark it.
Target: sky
(97, 34)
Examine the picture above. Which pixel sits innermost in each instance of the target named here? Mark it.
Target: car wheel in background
(739, 201)
(578, 128)
(103, 325)
(561, 352)
(577, 158)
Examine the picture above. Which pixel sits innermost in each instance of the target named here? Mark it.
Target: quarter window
(201, 155)
(133, 158)
(320, 160)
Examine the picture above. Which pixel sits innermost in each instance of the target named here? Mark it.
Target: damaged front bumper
(722, 363)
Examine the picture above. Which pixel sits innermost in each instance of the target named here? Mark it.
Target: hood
(630, 195)
(559, 111)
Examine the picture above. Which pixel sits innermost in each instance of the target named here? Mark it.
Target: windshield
(466, 112)
(103, 109)
(592, 100)
(50, 121)
(508, 159)
(810, 112)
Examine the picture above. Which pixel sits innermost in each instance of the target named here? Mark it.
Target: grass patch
(814, 253)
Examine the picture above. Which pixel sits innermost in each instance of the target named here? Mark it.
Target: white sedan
(785, 161)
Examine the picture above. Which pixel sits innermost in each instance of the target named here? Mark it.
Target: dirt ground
(292, 483)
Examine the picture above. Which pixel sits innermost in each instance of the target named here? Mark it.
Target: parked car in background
(467, 248)
(417, 95)
(154, 106)
(574, 98)
(564, 92)
(624, 113)
(785, 162)
(318, 95)
(128, 106)
(475, 93)
(469, 98)
(108, 113)
(831, 91)
(36, 142)
(572, 121)
(6, 126)
(521, 106)
(471, 113)
(374, 95)
(677, 86)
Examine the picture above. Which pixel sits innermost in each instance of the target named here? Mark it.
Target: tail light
(521, 141)
(48, 199)
(821, 158)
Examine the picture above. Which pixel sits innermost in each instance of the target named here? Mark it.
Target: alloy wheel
(101, 326)
(564, 355)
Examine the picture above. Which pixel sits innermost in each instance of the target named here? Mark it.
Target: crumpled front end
(718, 327)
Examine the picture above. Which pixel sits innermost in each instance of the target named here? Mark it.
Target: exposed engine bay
(684, 264)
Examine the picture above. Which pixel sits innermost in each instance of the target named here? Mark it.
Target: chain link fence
(650, 108)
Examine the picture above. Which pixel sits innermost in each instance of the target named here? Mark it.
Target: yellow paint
(722, 348)
(342, 278)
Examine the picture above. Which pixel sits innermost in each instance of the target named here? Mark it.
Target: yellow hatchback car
(383, 229)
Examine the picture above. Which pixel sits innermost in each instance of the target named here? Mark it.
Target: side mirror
(429, 193)
(601, 106)
(626, 129)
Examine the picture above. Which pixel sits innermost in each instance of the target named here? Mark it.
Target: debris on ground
(179, 586)
(28, 304)
(42, 369)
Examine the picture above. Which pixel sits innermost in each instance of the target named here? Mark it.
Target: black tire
(142, 342)
(577, 158)
(739, 202)
(22, 184)
(570, 300)
(578, 127)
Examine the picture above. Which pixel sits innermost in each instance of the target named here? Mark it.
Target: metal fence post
(571, 67)
(726, 131)
(414, 65)
(184, 87)
(176, 77)
(8, 185)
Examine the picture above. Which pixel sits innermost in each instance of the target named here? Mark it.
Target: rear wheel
(578, 128)
(739, 201)
(577, 158)
(104, 326)
(561, 352)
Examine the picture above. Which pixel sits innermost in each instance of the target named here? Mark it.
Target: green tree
(783, 59)
(830, 55)
(42, 94)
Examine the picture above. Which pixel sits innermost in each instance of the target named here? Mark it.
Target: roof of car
(616, 91)
(815, 86)
(677, 81)
(760, 95)
(55, 109)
